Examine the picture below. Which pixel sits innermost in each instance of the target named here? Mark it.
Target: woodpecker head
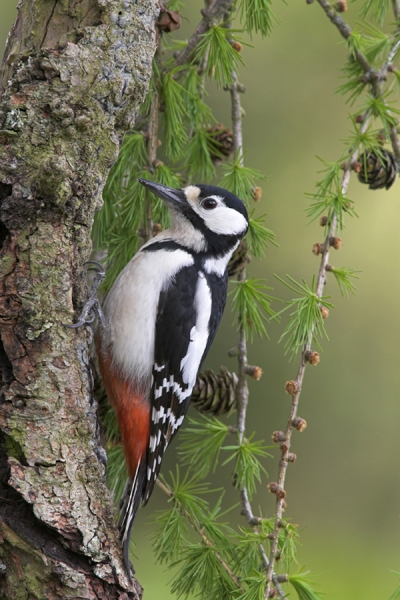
(218, 217)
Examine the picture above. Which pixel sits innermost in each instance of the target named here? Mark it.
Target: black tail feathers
(129, 505)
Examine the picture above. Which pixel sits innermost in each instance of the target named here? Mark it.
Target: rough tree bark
(73, 76)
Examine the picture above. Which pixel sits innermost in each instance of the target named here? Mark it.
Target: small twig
(345, 31)
(164, 488)
(203, 65)
(254, 522)
(283, 464)
(237, 118)
(374, 78)
(152, 144)
(247, 510)
(205, 539)
(394, 138)
(242, 390)
(216, 11)
(225, 566)
(392, 53)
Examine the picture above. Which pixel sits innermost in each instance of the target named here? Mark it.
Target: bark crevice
(71, 82)
(18, 515)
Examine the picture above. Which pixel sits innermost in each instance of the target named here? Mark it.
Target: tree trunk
(72, 79)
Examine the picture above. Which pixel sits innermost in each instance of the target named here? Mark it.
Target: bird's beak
(174, 198)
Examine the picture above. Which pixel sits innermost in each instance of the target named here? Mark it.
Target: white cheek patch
(223, 220)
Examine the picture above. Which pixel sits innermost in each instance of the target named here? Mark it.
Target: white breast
(131, 307)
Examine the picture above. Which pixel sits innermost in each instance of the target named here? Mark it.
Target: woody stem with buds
(244, 370)
(294, 387)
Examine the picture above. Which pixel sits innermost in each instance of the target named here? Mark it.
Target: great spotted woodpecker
(162, 314)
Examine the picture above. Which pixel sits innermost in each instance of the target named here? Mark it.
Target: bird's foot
(92, 307)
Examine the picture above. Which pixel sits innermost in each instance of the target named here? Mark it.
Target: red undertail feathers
(133, 413)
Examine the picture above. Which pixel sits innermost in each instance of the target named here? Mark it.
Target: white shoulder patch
(224, 220)
(199, 333)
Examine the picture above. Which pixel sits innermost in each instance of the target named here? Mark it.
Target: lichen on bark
(72, 79)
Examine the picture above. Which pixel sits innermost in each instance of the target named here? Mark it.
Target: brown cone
(223, 139)
(215, 393)
(378, 171)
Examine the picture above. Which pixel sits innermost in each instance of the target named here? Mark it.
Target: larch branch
(214, 13)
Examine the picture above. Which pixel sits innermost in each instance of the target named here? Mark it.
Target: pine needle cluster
(176, 142)
(306, 319)
(373, 126)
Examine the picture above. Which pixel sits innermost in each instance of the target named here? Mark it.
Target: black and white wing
(187, 319)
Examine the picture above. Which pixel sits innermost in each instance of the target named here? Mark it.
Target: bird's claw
(92, 307)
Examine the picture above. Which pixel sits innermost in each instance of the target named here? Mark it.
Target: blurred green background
(344, 488)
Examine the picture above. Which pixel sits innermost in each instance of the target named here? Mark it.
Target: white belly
(131, 308)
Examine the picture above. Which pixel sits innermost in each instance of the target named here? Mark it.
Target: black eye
(209, 203)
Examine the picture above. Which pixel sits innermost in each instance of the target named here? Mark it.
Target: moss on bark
(72, 79)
